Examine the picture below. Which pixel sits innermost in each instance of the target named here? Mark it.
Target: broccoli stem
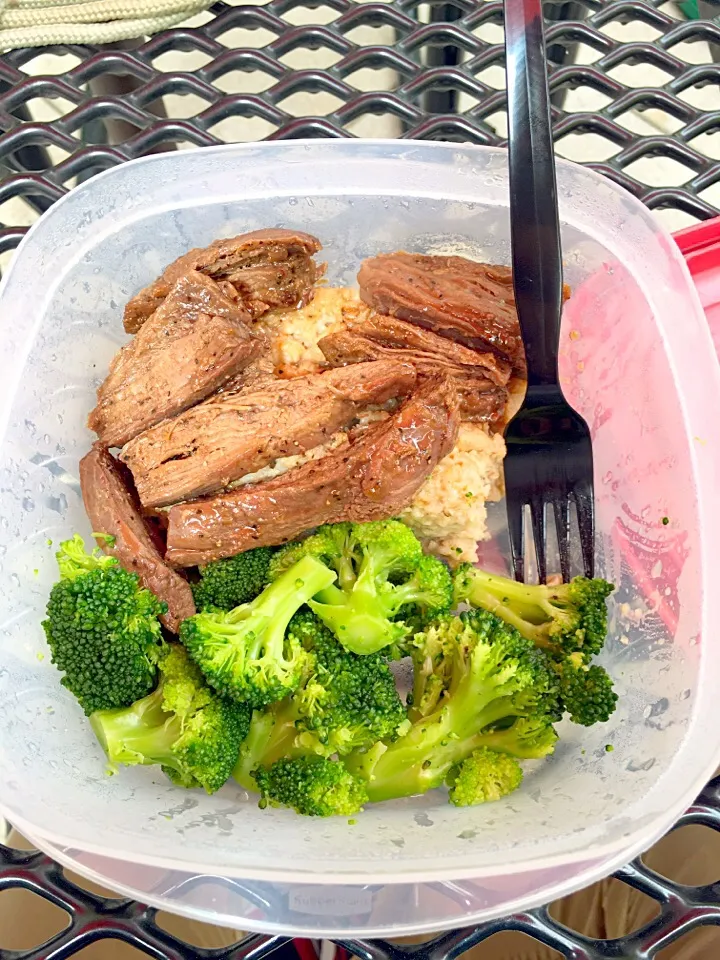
(274, 608)
(521, 605)
(361, 631)
(422, 758)
(272, 735)
(360, 619)
(345, 572)
(416, 763)
(141, 734)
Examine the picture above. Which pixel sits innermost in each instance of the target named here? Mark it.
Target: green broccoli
(386, 586)
(586, 692)
(525, 738)
(244, 652)
(102, 628)
(569, 621)
(491, 678)
(312, 786)
(344, 701)
(183, 726)
(331, 544)
(483, 777)
(272, 736)
(347, 700)
(565, 618)
(225, 584)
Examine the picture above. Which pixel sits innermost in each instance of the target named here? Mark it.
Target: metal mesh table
(630, 82)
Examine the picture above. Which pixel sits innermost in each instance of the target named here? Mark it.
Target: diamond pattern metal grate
(92, 918)
(380, 68)
(379, 65)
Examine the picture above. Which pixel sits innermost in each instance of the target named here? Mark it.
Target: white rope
(39, 23)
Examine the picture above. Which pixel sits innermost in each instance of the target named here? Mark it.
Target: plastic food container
(637, 361)
(389, 909)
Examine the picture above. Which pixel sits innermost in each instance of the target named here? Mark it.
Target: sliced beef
(263, 269)
(470, 302)
(480, 378)
(373, 478)
(113, 509)
(234, 434)
(192, 344)
(260, 370)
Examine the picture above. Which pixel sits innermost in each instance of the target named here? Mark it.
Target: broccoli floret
(244, 652)
(386, 587)
(225, 584)
(483, 777)
(565, 619)
(344, 701)
(347, 700)
(586, 692)
(489, 677)
(312, 786)
(190, 731)
(331, 544)
(73, 559)
(102, 628)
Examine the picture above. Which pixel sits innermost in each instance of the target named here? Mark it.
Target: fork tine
(584, 502)
(516, 531)
(562, 530)
(537, 515)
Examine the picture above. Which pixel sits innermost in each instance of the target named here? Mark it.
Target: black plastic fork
(549, 452)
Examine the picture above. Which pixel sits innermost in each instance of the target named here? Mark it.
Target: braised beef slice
(192, 344)
(234, 434)
(260, 369)
(373, 478)
(113, 509)
(263, 269)
(470, 302)
(480, 378)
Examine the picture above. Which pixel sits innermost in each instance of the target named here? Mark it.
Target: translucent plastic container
(638, 362)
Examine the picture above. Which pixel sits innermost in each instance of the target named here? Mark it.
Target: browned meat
(374, 478)
(113, 509)
(234, 434)
(193, 343)
(480, 378)
(470, 302)
(263, 269)
(260, 368)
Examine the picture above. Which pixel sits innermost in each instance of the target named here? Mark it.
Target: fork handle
(535, 229)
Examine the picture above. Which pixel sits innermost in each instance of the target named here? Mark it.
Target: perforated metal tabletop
(636, 92)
